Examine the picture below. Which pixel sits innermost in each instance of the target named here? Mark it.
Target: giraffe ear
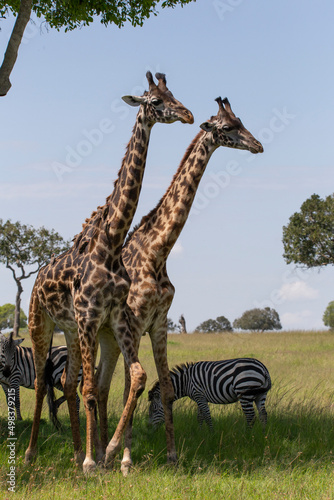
(207, 126)
(133, 100)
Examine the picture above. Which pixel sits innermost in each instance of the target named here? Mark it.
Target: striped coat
(17, 369)
(220, 382)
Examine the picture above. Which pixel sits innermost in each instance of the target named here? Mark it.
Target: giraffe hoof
(172, 458)
(126, 467)
(79, 458)
(29, 456)
(112, 449)
(89, 466)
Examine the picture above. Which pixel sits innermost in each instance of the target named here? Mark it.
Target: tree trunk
(13, 45)
(182, 322)
(17, 309)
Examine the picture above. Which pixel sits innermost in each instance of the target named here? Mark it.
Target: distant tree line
(259, 320)
(254, 319)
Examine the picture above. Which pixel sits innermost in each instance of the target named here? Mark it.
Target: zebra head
(7, 350)
(156, 411)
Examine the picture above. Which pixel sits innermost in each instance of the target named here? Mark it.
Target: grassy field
(294, 458)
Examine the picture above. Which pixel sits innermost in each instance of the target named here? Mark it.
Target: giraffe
(84, 290)
(148, 246)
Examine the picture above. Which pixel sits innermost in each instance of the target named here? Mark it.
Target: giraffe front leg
(159, 346)
(127, 345)
(138, 381)
(127, 460)
(108, 360)
(87, 333)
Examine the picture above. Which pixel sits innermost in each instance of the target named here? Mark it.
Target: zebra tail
(50, 394)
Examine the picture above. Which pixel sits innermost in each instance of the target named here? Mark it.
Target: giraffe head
(159, 104)
(227, 130)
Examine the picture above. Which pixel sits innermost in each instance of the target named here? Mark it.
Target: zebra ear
(18, 341)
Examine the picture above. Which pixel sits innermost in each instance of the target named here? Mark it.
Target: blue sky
(65, 128)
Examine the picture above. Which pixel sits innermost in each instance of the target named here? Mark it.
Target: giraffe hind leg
(41, 330)
(69, 382)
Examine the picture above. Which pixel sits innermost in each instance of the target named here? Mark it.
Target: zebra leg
(78, 406)
(203, 412)
(260, 404)
(60, 401)
(18, 403)
(248, 409)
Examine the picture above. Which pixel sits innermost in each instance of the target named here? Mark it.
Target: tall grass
(292, 459)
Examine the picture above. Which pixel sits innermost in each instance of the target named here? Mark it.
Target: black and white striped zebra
(17, 369)
(221, 382)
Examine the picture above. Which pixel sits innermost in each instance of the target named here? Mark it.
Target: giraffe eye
(157, 103)
(226, 128)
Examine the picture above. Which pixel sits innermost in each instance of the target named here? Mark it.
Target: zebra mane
(175, 371)
(181, 368)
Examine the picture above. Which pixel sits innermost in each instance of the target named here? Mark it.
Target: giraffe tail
(50, 394)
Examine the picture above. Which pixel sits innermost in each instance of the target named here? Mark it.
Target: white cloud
(301, 319)
(297, 290)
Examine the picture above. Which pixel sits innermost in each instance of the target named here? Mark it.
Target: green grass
(294, 458)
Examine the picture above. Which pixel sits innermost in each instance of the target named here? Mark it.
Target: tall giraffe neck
(163, 225)
(111, 222)
(123, 200)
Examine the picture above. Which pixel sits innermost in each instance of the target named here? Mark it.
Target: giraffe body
(84, 290)
(148, 246)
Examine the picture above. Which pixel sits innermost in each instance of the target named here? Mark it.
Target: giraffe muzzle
(257, 149)
(188, 118)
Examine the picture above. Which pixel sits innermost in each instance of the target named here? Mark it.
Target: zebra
(221, 382)
(17, 369)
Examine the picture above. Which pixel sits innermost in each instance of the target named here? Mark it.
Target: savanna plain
(293, 458)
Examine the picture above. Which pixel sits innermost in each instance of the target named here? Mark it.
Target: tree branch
(32, 272)
(13, 271)
(13, 45)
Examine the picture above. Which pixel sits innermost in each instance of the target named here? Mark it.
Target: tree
(308, 238)
(23, 247)
(70, 15)
(220, 324)
(259, 320)
(224, 324)
(328, 317)
(182, 322)
(7, 317)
